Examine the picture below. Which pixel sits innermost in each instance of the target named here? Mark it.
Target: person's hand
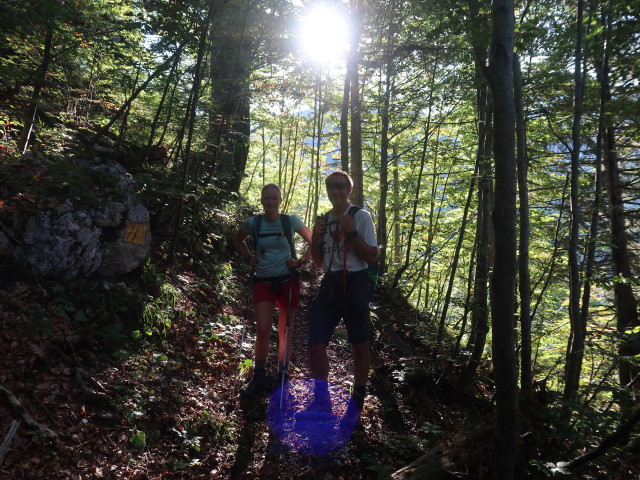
(252, 260)
(319, 228)
(291, 263)
(347, 224)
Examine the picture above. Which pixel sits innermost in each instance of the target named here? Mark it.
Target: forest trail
(261, 454)
(160, 408)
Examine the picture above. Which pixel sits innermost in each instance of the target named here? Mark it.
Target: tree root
(23, 415)
(100, 398)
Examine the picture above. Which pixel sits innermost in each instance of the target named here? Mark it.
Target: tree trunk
(479, 306)
(397, 248)
(625, 304)
(138, 91)
(43, 68)
(596, 212)
(454, 261)
(504, 221)
(526, 375)
(163, 98)
(229, 119)
(575, 348)
(384, 152)
(344, 123)
(356, 122)
(416, 200)
(195, 95)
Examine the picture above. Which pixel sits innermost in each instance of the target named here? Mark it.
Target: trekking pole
(286, 332)
(244, 330)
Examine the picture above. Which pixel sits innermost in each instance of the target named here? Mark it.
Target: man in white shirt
(344, 244)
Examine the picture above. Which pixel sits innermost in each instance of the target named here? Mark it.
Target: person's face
(271, 200)
(338, 189)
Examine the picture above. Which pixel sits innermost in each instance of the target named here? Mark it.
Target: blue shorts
(331, 304)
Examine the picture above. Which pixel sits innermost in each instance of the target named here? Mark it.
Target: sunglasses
(337, 185)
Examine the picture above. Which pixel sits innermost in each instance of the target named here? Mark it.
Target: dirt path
(260, 453)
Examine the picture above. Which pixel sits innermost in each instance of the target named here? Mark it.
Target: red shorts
(277, 293)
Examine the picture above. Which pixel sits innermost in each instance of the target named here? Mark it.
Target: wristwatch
(352, 235)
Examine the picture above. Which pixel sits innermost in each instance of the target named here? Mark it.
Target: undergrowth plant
(159, 307)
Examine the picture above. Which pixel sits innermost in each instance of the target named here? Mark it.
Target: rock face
(73, 240)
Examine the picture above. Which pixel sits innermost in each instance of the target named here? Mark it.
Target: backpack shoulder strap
(353, 209)
(286, 227)
(257, 223)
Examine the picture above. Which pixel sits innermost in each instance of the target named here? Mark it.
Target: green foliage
(189, 438)
(159, 309)
(40, 321)
(138, 440)
(415, 370)
(30, 184)
(400, 450)
(104, 51)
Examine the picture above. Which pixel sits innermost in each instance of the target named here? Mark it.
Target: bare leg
(282, 333)
(264, 319)
(319, 361)
(361, 362)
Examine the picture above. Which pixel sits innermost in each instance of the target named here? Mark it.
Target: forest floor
(104, 406)
(164, 408)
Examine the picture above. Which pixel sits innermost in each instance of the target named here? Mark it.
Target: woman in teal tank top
(275, 273)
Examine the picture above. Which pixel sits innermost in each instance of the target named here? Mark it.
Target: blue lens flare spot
(312, 416)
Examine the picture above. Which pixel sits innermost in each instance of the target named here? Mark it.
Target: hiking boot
(256, 385)
(357, 400)
(321, 401)
(349, 420)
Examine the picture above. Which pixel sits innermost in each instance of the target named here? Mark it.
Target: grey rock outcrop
(73, 240)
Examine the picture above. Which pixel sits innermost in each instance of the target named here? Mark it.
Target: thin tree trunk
(575, 348)
(291, 153)
(397, 249)
(30, 116)
(101, 131)
(427, 135)
(125, 117)
(163, 98)
(480, 304)
(192, 115)
(384, 152)
(526, 373)
(456, 257)
(344, 123)
(356, 120)
(504, 221)
(597, 203)
(318, 168)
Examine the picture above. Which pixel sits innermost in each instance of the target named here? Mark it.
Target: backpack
(372, 267)
(286, 227)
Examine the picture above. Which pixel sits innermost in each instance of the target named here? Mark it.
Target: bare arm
(305, 233)
(238, 241)
(362, 249)
(319, 230)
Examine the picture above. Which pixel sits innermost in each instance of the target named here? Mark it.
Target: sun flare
(324, 34)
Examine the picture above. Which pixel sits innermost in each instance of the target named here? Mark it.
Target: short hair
(270, 186)
(344, 174)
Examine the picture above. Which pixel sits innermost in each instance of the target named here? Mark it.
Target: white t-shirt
(334, 242)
